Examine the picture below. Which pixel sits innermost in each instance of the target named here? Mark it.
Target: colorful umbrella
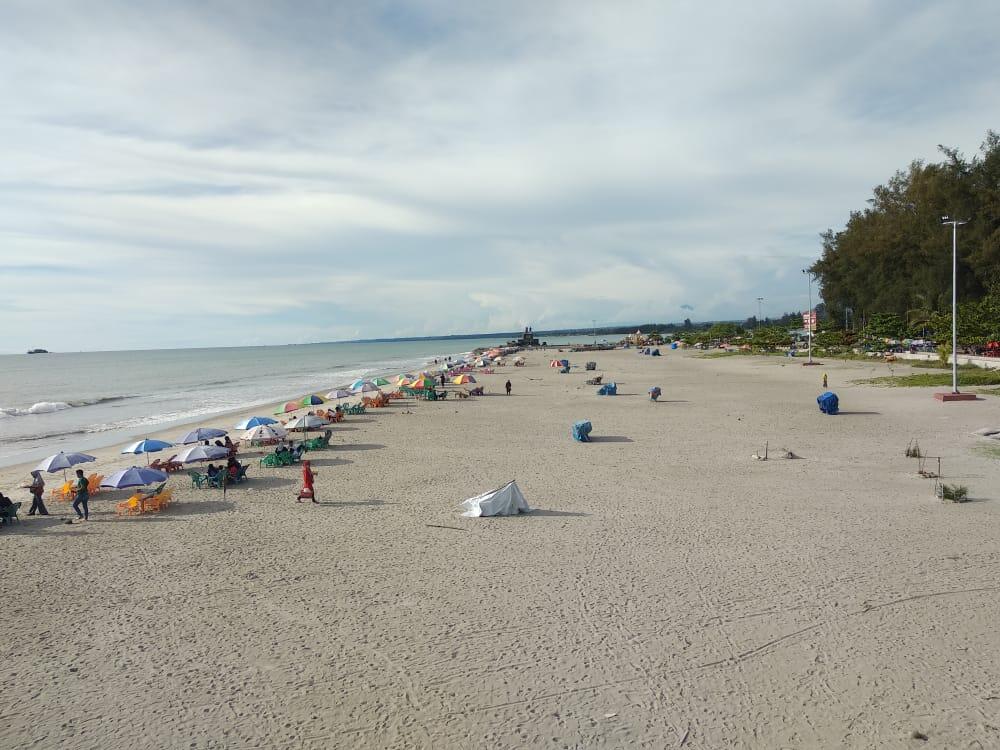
(360, 382)
(405, 376)
(423, 382)
(339, 393)
(463, 379)
(249, 424)
(202, 433)
(366, 388)
(312, 400)
(380, 381)
(134, 477)
(288, 407)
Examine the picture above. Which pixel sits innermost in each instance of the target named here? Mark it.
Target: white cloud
(436, 168)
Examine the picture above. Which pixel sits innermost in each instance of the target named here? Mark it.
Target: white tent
(505, 501)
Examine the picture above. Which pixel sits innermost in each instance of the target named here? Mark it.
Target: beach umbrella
(147, 446)
(365, 388)
(463, 379)
(62, 461)
(423, 382)
(405, 376)
(380, 381)
(201, 453)
(360, 382)
(202, 433)
(306, 423)
(312, 400)
(252, 422)
(288, 407)
(265, 432)
(135, 476)
(404, 382)
(339, 393)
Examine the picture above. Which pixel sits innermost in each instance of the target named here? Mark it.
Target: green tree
(894, 256)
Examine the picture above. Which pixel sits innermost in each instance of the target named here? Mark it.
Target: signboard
(809, 320)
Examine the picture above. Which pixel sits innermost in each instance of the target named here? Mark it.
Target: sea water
(74, 402)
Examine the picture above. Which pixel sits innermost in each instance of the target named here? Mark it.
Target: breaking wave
(47, 407)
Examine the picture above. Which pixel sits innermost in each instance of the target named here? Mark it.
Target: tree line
(891, 264)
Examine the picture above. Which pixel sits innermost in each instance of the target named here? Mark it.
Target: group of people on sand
(231, 470)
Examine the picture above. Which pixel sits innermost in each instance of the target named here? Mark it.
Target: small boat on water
(38, 351)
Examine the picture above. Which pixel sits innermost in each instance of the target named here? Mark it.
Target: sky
(239, 172)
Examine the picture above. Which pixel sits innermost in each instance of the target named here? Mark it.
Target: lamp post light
(759, 301)
(954, 395)
(809, 317)
(595, 330)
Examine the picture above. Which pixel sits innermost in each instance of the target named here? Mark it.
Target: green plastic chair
(9, 515)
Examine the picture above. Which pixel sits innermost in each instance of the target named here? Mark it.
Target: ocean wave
(47, 407)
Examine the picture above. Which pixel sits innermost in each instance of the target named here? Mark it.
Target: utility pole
(759, 301)
(595, 330)
(955, 224)
(809, 318)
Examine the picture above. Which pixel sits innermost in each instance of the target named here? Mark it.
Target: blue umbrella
(248, 424)
(202, 433)
(134, 477)
(62, 461)
(147, 446)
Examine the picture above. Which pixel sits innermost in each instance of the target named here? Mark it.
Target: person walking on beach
(442, 380)
(824, 380)
(82, 496)
(307, 490)
(508, 387)
(37, 488)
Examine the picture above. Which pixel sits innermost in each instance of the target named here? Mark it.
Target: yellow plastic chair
(130, 507)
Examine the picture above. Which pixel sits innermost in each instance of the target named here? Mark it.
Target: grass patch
(985, 449)
(953, 493)
(971, 377)
(718, 355)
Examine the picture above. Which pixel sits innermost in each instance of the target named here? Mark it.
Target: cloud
(186, 173)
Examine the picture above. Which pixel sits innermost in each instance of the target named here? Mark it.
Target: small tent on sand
(503, 501)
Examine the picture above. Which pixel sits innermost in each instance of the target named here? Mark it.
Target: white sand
(670, 591)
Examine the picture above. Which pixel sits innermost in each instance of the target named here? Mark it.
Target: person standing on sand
(824, 380)
(508, 387)
(82, 496)
(307, 490)
(442, 380)
(37, 489)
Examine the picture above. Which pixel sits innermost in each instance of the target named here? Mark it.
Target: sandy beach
(668, 590)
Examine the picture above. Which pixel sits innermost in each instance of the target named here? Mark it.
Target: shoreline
(124, 436)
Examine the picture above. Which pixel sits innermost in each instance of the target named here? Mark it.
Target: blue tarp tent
(828, 402)
(608, 389)
(581, 430)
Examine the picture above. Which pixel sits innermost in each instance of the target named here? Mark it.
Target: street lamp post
(955, 224)
(595, 330)
(759, 301)
(809, 317)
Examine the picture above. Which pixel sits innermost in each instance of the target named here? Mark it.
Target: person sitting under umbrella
(212, 471)
(233, 468)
